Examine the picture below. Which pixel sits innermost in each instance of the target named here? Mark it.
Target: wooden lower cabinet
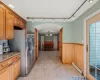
(18, 68)
(15, 70)
(10, 70)
(4, 74)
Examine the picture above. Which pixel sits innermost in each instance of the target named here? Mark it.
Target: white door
(55, 42)
(93, 47)
(42, 42)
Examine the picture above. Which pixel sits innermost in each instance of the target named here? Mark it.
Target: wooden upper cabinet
(21, 24)
(15, 70)
(18, 22)
(9, 24)
(2, 22)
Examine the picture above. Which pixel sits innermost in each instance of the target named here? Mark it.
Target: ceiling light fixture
(64, 21)
(52, 20)
(73, 17)
(11, 6)
(90, 1)
(32, 20)
(50, 34)
(46, 34)
(44, 20)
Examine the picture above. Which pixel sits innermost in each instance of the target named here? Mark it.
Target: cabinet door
(15, 21)
(20, 24)
(9, 25)
(17, 68)
(14, 71)
(2, 22)
(4, 74)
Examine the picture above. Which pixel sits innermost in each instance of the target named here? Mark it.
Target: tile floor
(49, 67)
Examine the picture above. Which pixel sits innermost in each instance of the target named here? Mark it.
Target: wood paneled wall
(73, 53)
(67, 53)
(78, 58)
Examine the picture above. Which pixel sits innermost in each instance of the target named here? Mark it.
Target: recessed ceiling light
(11, 6)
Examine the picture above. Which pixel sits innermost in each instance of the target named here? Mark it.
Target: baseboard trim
(78, 69)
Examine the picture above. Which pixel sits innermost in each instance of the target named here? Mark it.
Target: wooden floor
(49, 67)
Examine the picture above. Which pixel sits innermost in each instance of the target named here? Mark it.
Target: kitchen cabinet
(4, 74)
(9, 24)
(2, 22)
(16, 21)
(16, 69)
(21, 24)
(9, 19)
(10, 68)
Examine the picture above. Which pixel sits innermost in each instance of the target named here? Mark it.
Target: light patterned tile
(49, 67)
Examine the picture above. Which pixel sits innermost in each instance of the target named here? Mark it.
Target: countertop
(7, 55)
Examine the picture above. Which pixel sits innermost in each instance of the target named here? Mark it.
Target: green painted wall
(47, 38)
(78, 24)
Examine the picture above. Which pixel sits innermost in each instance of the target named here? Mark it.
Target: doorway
(49, 38)
(93, 47)
(49, 41)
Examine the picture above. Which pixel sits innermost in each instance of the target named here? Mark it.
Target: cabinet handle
(86, 48)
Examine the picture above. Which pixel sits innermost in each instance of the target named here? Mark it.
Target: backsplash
(4, 46)
(2, 41)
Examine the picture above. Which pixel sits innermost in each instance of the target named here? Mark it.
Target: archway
(52, 27)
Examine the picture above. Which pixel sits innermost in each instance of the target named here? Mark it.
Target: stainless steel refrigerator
(26, 48)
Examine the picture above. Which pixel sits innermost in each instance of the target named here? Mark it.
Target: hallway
(49, 67)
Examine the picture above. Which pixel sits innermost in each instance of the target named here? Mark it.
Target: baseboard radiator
(77, 68)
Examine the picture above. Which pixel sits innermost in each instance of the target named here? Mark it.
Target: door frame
(60, 44)
(84, 33)
(36, 43)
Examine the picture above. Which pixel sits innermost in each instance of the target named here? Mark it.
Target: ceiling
(48, 8)
(44, 28)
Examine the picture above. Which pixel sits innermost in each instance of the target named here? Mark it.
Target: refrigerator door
(30, 54)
